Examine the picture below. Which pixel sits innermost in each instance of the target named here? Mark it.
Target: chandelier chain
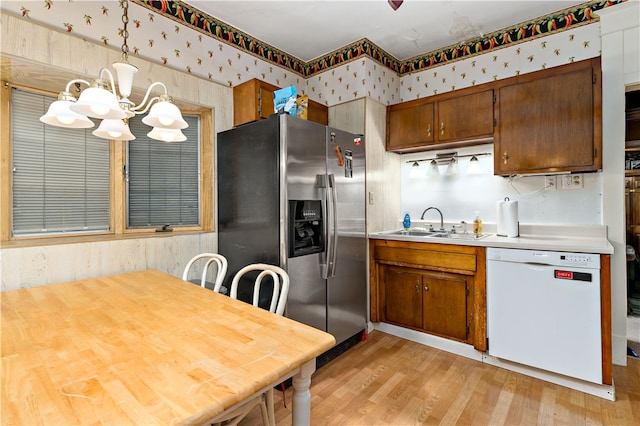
(125, 33)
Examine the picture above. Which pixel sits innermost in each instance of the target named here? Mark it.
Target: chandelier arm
(73, 82)
(146, 96)
(147, 107)
(113, 84)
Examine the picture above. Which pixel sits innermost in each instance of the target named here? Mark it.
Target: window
(60, 176)
(163, 178)
(63, 182)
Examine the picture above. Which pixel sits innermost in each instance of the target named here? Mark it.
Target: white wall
(459, 196)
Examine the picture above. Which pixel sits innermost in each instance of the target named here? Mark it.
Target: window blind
(163, 178)
(60, 176)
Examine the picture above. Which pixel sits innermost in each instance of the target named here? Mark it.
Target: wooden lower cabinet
(434, 302)
(434, 288)
(402, 296)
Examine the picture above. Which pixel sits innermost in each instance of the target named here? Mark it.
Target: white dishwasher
(543, 310)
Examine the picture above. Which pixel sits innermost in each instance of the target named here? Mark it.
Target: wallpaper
(172, 34)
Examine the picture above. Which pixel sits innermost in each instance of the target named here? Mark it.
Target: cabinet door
(318, 113)
(265, 102)
(252, 100)
(445, 305)
(549, 124)
(466, 117)
(402, 297)
(409, 126)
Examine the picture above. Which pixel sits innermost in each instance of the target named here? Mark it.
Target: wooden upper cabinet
(550, 121)
(318, 113)
(410, 125)
(253, 100)
(466, 117)
(460, 117)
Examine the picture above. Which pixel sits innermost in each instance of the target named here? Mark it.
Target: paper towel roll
(510, 216)
(507, 218)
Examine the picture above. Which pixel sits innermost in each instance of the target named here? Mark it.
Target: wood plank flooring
(387, 380)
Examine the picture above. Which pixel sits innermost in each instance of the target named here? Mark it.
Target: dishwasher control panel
(553, 258)
(577, 259)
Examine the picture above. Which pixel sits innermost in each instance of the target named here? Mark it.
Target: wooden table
(145, 348)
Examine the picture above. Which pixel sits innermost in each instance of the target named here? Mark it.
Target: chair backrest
(280, 285)
(206, 260)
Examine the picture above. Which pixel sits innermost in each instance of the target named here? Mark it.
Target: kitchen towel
(507, 224)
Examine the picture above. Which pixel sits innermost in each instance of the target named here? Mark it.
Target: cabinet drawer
(437, 260)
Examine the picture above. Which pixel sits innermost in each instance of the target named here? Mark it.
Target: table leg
(301, 411)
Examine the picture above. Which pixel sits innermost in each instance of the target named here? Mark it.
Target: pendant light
(101, 101)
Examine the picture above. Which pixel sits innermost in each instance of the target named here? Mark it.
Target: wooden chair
(277, 304)
(205, 260)
(280, 285)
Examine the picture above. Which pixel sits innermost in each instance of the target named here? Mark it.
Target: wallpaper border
(193, 18)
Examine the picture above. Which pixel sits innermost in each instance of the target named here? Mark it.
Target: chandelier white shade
(60, 114)
(114, 129)
(167, 135)
(164, 114)
(98, 102)
(101, 101)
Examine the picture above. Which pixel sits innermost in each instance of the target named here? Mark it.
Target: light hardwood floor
(387, 380)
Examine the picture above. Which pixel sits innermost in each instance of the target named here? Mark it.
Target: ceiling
(308, 29)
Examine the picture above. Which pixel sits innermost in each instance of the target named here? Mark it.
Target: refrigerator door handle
(322, 182)
(332, 240)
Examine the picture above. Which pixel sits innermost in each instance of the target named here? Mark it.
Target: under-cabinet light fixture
(450, 159)
(101, 101)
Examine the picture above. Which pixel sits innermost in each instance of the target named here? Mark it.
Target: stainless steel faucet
(438, 210)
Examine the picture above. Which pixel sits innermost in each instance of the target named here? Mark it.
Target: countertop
(578, 239)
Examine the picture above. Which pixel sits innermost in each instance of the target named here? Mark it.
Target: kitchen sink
(453, 236)
(439, 234)
(417, 233)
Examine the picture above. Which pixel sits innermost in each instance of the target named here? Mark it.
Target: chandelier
(101, 101)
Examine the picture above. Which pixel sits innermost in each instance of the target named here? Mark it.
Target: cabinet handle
(426, 288)
(429, 129)
(505, 157)
(417, 288)
(442, 127)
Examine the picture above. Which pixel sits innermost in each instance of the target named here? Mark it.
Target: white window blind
(60, 176)
(163, 178)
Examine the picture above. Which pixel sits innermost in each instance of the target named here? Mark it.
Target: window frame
(117, 190)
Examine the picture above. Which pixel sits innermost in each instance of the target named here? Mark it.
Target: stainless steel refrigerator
(292, 193)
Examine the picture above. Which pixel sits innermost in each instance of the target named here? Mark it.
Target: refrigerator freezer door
(249, 188)
(305, 173)
(346, 289)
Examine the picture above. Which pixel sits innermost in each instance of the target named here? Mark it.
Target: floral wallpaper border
(191, 17)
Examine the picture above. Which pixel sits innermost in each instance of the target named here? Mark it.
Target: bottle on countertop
(477, 225)
(406, 222)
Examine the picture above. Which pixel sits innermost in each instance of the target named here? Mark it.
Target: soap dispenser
(477, 225)
(406, 222)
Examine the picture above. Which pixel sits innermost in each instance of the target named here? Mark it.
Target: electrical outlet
(550, 183)
(573, 181)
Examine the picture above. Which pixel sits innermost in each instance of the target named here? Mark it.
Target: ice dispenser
(305, 227)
